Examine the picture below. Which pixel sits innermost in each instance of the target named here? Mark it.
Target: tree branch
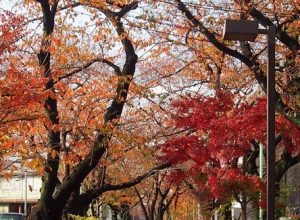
(142, 203)
(281, 35)
(50, 179)
(254, 66)
(127, 8)
(95, 60)
(87, 197)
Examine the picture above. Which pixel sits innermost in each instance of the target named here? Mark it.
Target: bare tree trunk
(244, 210)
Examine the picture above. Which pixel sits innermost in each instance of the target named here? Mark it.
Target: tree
(52, 202)
(60, 134)
(218, 133)
(90, 91)
(69, 117)
(156, 201)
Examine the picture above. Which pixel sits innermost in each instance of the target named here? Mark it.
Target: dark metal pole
(25, 201)
(247, 31)
(271, 125)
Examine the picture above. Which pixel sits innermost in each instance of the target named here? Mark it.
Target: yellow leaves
(118, 198)
(185, 205)
(36, 164)
(3, 138)
(124, 199)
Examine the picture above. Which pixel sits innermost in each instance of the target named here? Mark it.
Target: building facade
(19, 192)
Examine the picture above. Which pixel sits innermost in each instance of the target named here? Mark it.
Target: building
(21, 191)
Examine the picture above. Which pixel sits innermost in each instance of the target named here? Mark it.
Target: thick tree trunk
(72, 205)
(80, 203)
(227, 212)
(160, 214)
(46, 208)
(42, 212)
(244, 211)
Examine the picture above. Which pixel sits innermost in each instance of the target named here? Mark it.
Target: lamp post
(25, 200)
(244, 30)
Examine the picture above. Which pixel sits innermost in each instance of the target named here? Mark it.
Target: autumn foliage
(218, 133)
(86, 87)
(21, 89)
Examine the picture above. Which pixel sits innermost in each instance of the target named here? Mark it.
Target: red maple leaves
(219, 133)
(10, 30)
(21, 89)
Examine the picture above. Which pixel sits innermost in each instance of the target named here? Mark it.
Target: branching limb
(85, 66)
(281, 35)
(252, 64)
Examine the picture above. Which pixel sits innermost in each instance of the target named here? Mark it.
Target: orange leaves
(6, 145)
(102, 34)
(8, 174)
(181, 30)
(19, 95)
(62, 59)
(80, 144)
(54, 153)
(121, 2)
(174, 58)
(97, 3)
(10, 30)
(36, 164)
(102, 3)
(57, 41)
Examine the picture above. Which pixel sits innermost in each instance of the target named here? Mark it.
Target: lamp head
(242, 30)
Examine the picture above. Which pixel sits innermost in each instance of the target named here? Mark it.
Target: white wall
(14, 189)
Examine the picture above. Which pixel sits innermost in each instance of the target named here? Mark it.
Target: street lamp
(244, 30)
(25, 199)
